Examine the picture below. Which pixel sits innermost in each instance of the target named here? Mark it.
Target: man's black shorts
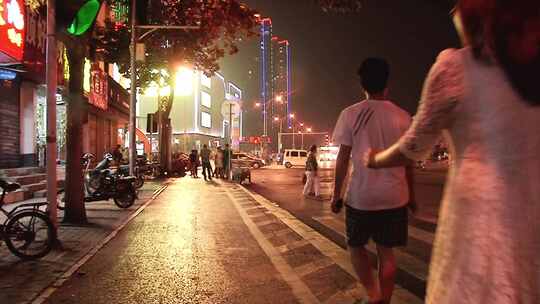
(387, 227)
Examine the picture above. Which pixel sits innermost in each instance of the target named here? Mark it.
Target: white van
(293, 157)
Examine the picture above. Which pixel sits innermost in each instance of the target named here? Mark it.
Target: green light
(84, 18)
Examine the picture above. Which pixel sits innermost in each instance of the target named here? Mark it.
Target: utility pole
(133, 91)
(229, 176)
(279, 134)
(51, 72)
(293, 133)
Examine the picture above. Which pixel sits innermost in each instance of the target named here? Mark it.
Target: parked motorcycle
(139, 176)
(147, 168)
(102, 183)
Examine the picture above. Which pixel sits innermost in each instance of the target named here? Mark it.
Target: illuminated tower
(282, 79)
(267, 71)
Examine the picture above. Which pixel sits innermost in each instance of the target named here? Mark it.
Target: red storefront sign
(12, 28)
(256, 139)
(99, 91)
(35, 50)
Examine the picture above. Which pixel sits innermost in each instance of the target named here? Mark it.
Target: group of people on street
(485, 98)
(221, 158)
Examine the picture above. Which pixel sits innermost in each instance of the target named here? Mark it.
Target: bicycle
(27, 231)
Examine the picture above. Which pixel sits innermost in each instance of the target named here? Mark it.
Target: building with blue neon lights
(267, 72)
(276, 80)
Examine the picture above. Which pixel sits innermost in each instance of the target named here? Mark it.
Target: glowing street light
(184, 81)
(291, 115)
(301, 124)
(309, 130)
(257, 104)
(279, 98)
(276, 118)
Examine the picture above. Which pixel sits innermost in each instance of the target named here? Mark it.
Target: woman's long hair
(507, 31)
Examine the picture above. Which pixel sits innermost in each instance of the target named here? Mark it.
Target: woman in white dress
(485, 98)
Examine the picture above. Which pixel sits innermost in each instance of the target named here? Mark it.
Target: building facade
(266, 73)
(282, 80)
(23, 93)
(199, 114)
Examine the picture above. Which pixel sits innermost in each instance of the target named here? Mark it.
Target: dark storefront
(9, 123)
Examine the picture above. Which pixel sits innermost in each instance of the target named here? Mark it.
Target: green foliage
(222, 23)
(340, 5)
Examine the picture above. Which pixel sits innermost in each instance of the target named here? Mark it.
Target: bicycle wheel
(29, 235)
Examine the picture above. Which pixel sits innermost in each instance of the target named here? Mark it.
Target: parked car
(246, 160)
(292, 157)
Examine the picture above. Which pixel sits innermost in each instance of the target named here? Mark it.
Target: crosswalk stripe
(402, 294)
(421, 234)
(414, 267)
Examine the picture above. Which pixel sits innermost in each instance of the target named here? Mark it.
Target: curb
(48, 291)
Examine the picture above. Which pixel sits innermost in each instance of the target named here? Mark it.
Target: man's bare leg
(387, 272)
(362, 267)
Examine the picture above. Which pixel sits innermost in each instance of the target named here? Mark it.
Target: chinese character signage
(98, 89)
(35, 45)
(12, 28)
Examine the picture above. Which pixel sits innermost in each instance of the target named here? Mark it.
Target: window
(206, 120)
(303, 154)
(206, 81)
(206, 100)
(294, 153)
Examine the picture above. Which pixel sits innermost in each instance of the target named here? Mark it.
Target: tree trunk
(76, 110)
(165, 128)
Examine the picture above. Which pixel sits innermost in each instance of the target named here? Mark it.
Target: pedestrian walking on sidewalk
(312, 187)
(486, 98)
(218, 172)
(376, 203)
(226, 161)
(206, 165)
(194, 163)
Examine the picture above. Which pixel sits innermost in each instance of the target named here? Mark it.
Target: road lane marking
(45, 294)
(299, 289)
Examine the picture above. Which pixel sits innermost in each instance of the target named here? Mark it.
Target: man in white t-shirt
(376, 202)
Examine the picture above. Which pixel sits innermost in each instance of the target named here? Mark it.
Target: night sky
(328, 48)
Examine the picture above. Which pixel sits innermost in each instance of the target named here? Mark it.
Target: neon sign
(12, 26)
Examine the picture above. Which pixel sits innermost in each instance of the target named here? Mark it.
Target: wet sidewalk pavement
(22, 281)
(215, 242)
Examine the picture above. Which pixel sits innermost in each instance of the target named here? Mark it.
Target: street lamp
(280, 120)
(133, 87)
(184, 81)
(292, 123)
